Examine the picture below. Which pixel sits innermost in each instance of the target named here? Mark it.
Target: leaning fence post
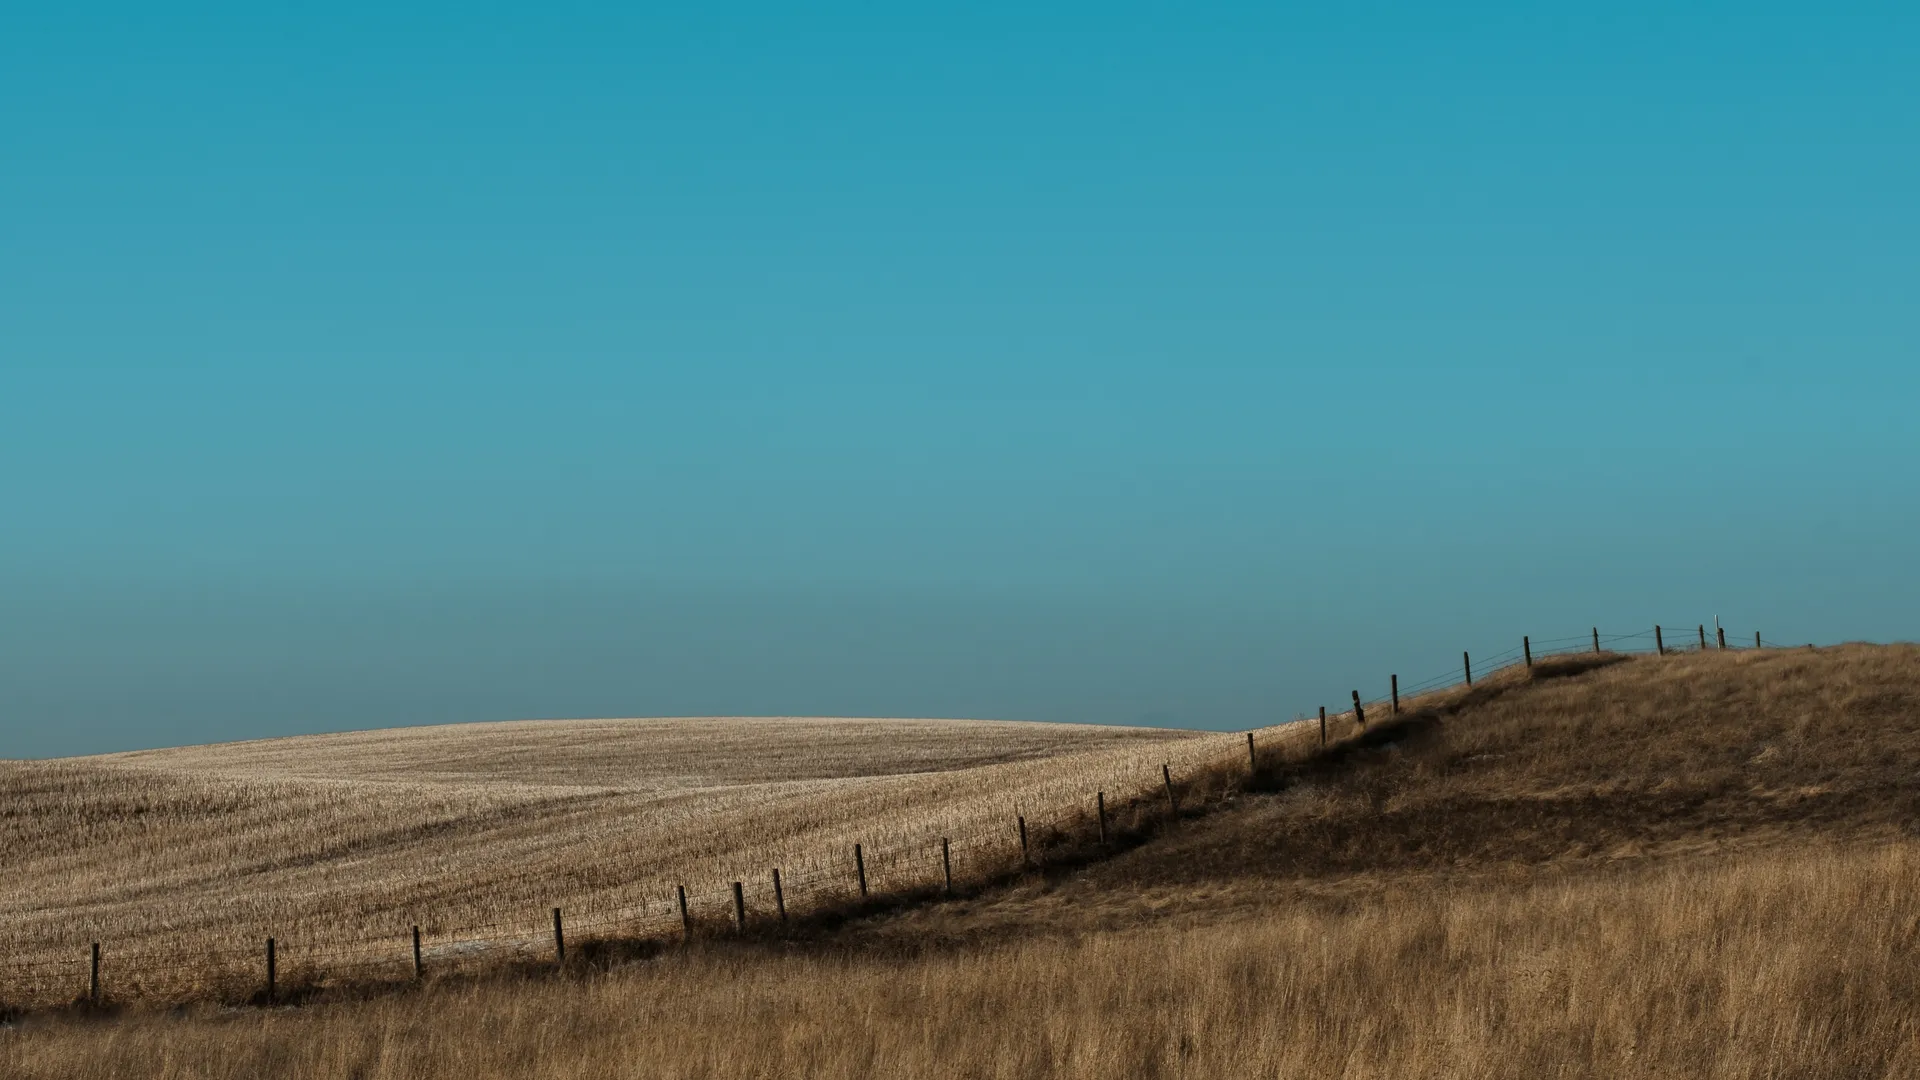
(93, 983)
(1467, 662)
(860, 868)
(1526, 648)
(739, 907)
(946, 864)
(1166, 774)
(1100, 808)
(686, 920)
(1253, 763)
(1359, 714)
(1720, 633)
(272, 974)
(779, 898)
(1323, 725)
(1395, 682)
(1025, 858)
(1596, 639)
(1659, 646)
(559, 941)
(418, 968)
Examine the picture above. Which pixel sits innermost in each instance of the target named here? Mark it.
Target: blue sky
(1178, 364)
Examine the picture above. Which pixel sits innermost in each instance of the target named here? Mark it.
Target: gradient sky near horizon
(369, 364)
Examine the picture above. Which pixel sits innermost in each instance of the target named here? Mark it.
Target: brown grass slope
(1701, 865)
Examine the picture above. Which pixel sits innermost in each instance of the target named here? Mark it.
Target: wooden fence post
(1394, 681)
(273, 988)
(1025, 858)
(93, 983)
(1526, 648)
(1756, 639)
(1100, 807)
(1166, 774)
(559, 941)
(1596, 639)
(1253, 763)
(1659, 646)
(1323, 725)
(779, 898)
(1703, 637)
(739, 907)
(1359, 714)
(860, 868)
(946, 864)
(686, 920)
(1467, 662)
(1720, 633)
(419, 969)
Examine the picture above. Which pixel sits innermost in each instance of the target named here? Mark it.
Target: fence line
(814, 883)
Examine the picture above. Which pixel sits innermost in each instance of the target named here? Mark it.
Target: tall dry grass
(1799, 962)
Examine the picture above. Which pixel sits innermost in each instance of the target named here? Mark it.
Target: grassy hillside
(1697, 865)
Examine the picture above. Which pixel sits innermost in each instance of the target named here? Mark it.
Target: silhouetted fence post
(1467, 662)
(1253, 763)
(1526, 649)
(946, 865)
(739, 907)
(1720, 633)
(93, 981)
(1394, 681)
(1596, 639)
(559, 941)
(860, 868)
(1025, 858)
(1323, 725)
(686, 920)
(1756, 639)
(1166, 774)
(1703, 637)
(1659, 646)
(1359, 714)
(419, 969)
(273, 988)
(779, 897)
(1100, 808)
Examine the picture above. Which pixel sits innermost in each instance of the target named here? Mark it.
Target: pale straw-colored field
(181, 862)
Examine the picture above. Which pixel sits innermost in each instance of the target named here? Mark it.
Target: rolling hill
(1690, 865)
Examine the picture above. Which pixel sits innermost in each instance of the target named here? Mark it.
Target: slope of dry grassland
(1692, 866)
(1798, 962)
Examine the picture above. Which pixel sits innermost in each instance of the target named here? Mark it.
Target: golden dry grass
(1797, 963)
(1698, 865)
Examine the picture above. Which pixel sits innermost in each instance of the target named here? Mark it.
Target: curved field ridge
(182, 861)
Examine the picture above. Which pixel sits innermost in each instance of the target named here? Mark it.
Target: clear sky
(1180, 363)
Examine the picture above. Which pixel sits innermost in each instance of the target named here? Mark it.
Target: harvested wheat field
(181, 862)
(1691, 865)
